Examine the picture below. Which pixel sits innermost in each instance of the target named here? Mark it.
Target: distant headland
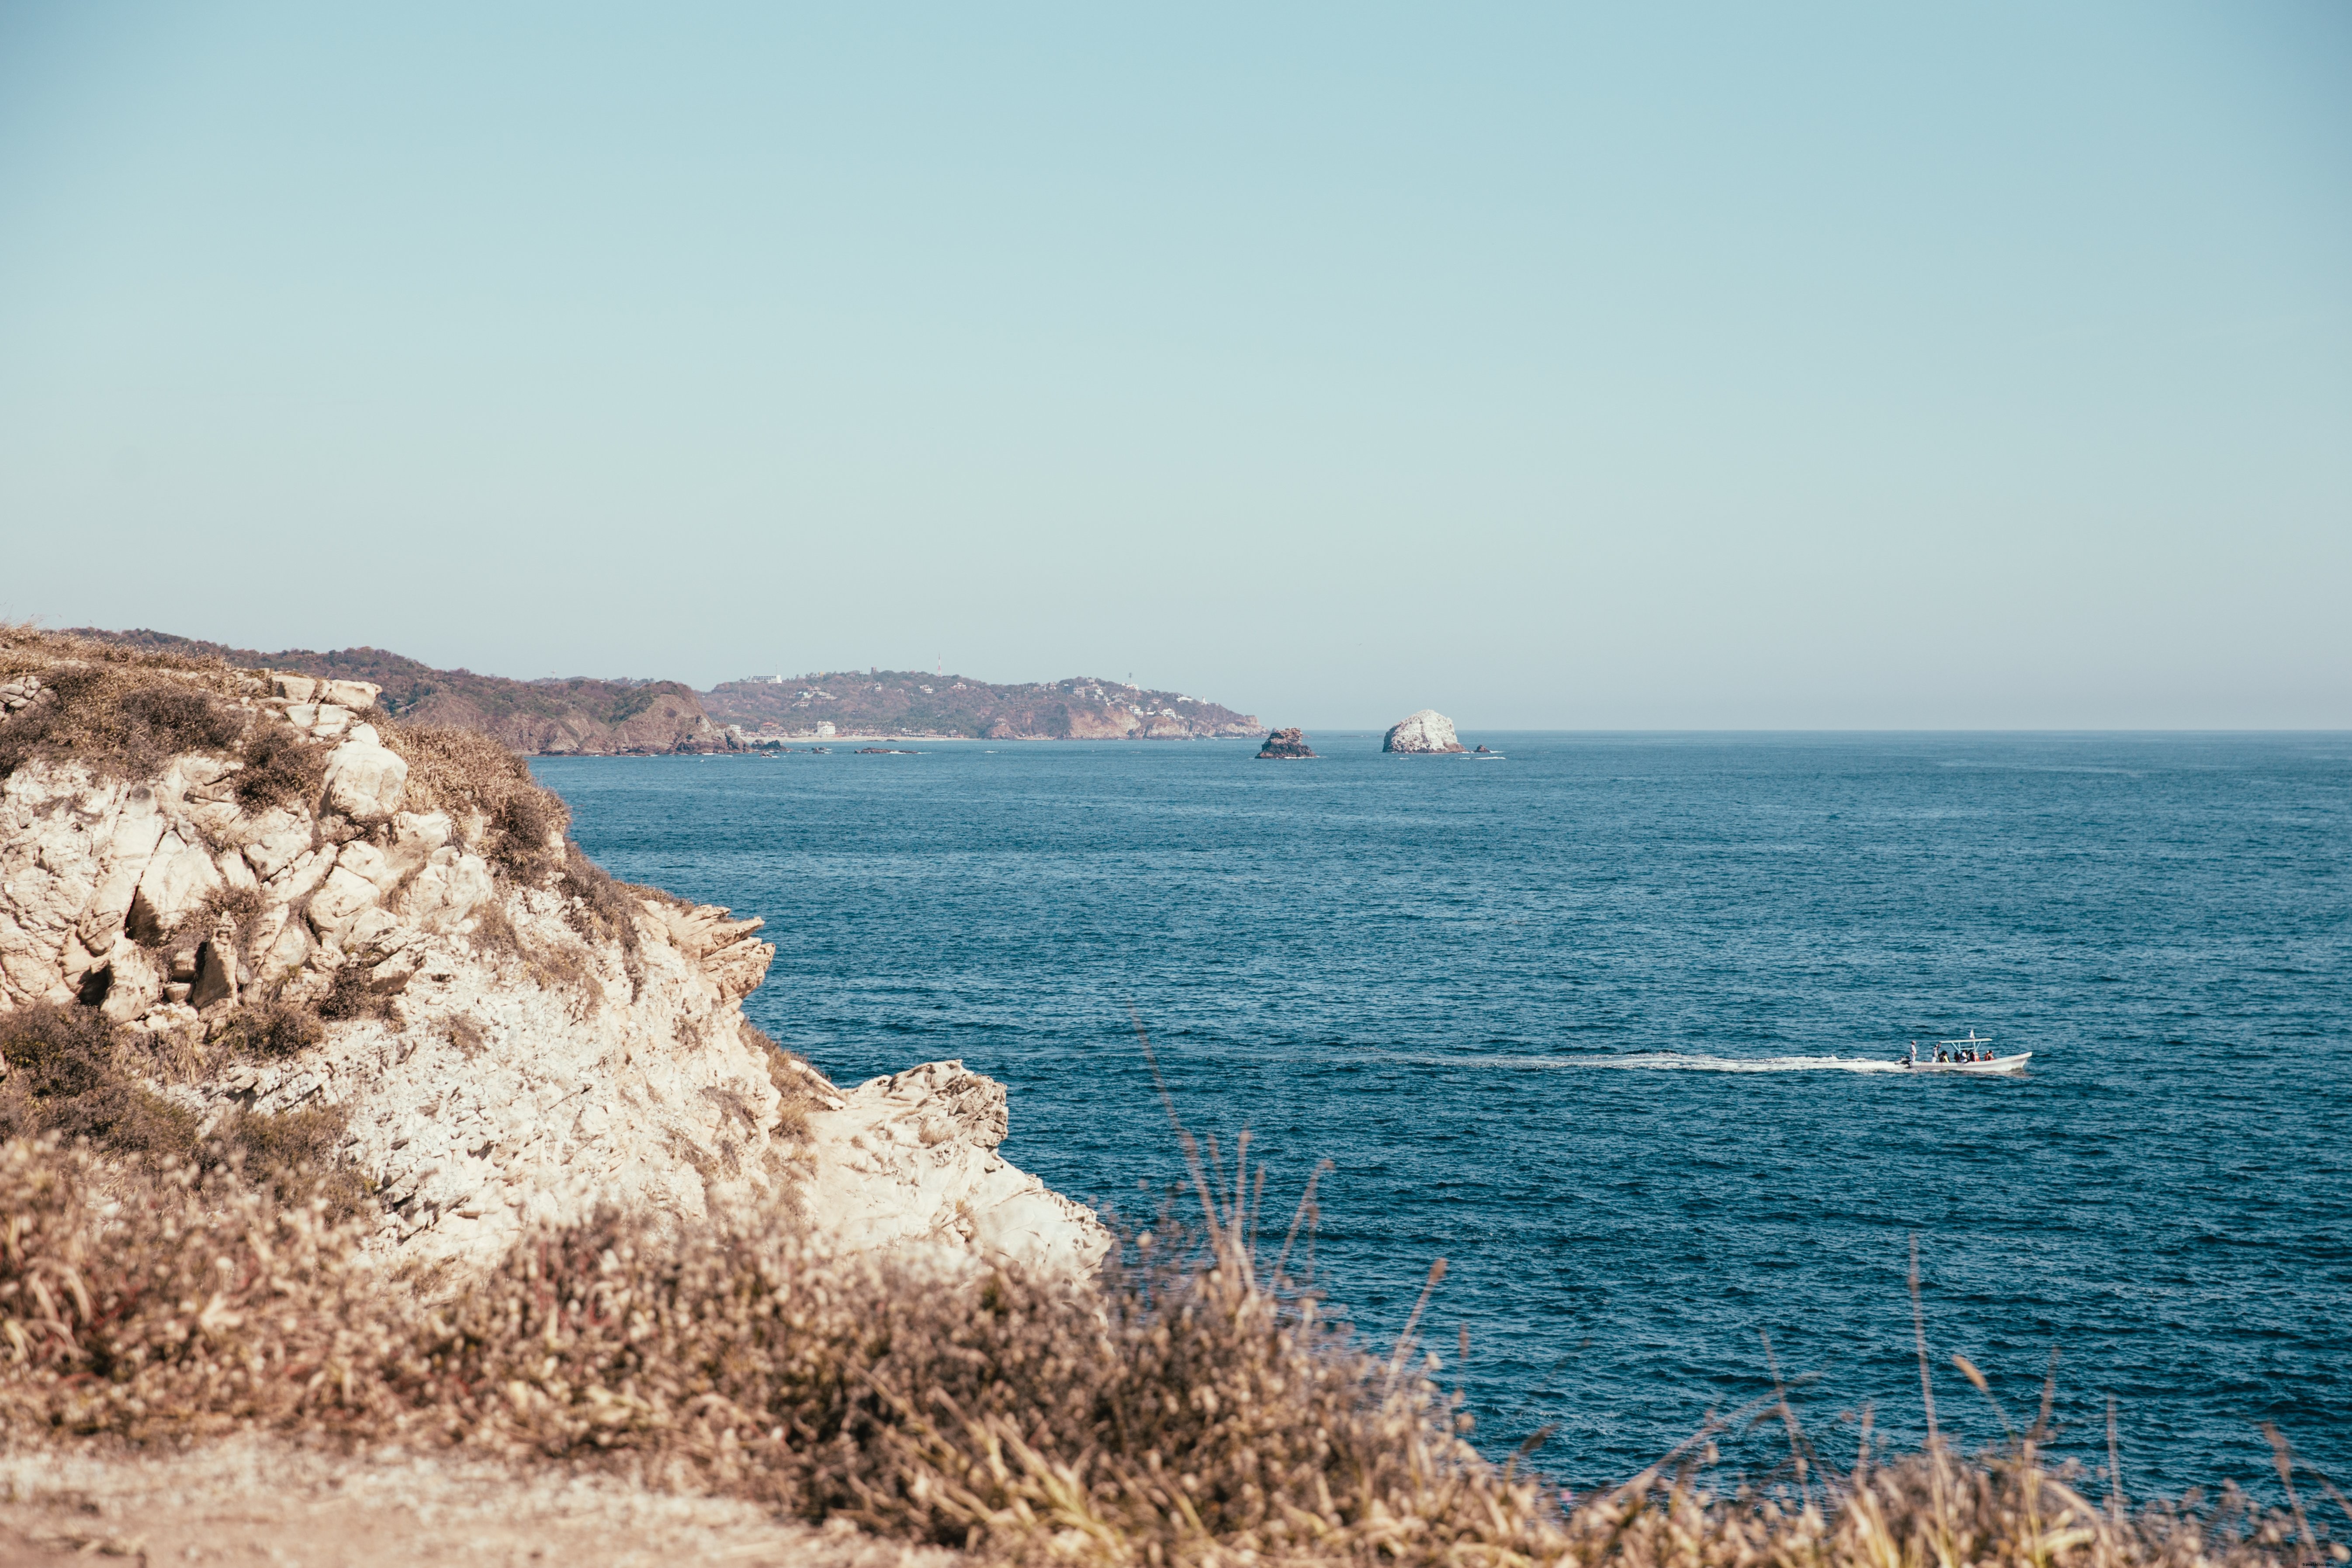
(918, 703)
(578, 716)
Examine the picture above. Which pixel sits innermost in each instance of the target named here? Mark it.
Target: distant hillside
(556, 716)
(914, 702)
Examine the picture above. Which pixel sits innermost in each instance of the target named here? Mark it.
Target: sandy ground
(259, 1500)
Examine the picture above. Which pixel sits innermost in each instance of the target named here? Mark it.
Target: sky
(1679, 367)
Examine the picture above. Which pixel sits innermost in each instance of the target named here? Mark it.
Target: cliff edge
(245, 904)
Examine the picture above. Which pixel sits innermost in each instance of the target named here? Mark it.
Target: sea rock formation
(1424, 732)
(510, 1037)
(1285, 745)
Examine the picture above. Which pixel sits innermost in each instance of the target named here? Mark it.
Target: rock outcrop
(1425, 733)
(1285, 745)
(912, 1159)
(509, 1038)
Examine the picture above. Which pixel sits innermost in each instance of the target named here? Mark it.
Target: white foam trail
(1674, 1061)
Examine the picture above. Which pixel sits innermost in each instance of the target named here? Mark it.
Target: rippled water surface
(1585, 1022)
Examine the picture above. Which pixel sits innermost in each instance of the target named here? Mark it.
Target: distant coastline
(927, 705)
(581, 716)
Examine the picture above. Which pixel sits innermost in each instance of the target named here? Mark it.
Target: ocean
(1605, 1024)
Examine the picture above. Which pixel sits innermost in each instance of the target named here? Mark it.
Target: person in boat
(1912, 1059)
(1939, 1054)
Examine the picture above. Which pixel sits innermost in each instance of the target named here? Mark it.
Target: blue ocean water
(1566, 1020)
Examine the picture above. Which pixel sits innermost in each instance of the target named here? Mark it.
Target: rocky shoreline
(399, 935)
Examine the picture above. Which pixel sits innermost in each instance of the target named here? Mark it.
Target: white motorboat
(1973, 1054)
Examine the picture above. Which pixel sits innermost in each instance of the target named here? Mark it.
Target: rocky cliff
(268, 904)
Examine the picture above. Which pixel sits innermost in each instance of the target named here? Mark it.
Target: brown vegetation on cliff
(552, 717)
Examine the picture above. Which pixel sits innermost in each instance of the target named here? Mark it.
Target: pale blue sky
(1808, 366)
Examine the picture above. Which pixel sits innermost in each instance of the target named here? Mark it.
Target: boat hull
(1999, 1064)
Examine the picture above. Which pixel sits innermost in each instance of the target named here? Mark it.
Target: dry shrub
(467, 1035)
(297, 1156)
(355, 995)
(193, 1305)
(241, 905)
(273, 1029)
(126, 711)
(487, 790)
(1189, 1410)
(68, 1075)
(1192, 1410)
(121, 722)
(73, 1076)
(280, 768)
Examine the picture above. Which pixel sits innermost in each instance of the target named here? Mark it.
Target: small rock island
(1285, 745)
(1427, 732)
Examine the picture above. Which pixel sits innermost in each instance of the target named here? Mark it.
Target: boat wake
(1676, 1061)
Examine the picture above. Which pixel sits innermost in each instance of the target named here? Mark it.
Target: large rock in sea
(1285, 745)
(1426, 732)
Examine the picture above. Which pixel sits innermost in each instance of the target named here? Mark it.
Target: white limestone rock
(1424, 732)
(910, 1161)
(366, 781)
(179, 877)
(515, 1082)
(357, 695)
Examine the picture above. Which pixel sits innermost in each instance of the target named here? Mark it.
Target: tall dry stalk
(1191, 1407)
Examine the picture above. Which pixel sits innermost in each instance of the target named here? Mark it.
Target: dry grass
(126, 712)
(355, 995)
(122, 719)
(800, 1086)
(76, 1079)
(182, 1307)
(551, 965)
(488, 791)
(280, 768)
(601, 910)
(1194, 1405)
(1193, 1408)
(273, 1029)
(69, 1075)
(296, 1155)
